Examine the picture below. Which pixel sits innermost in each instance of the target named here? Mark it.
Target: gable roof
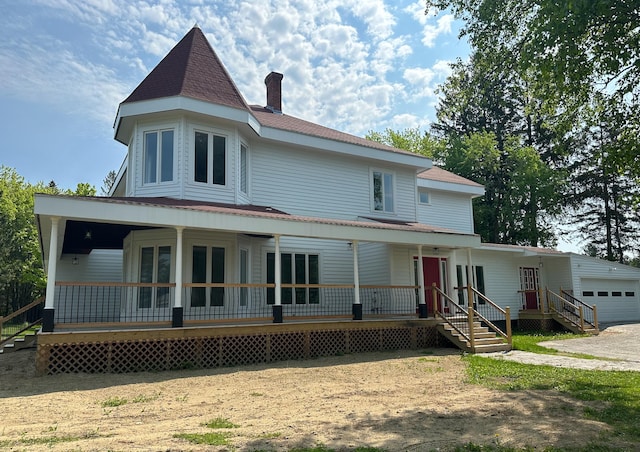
(292, 124)
(190, 69)
(435, 173)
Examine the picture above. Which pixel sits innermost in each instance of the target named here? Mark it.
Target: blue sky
(65, 65)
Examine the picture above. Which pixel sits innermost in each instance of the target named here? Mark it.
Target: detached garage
(616, 300)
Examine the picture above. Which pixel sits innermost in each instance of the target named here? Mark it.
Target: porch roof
(137, 213)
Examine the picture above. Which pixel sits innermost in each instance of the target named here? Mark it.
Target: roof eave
(473, 190)
(128, 113)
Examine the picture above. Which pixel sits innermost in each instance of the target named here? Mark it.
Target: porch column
(453, 275)
(357, 305)
(277, 307)
(49, 308)
(178, 310)
(469, 278)
(422, 302)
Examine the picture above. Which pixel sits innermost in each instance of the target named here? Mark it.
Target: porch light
(74, 260)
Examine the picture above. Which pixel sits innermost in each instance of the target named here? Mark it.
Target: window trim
(154, 276)
(158, 155)
(211, 133)
(293, 276)
(243, 176)
(208, 298)
(384, 210)
(427, 192)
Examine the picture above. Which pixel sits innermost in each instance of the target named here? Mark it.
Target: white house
(235, 228)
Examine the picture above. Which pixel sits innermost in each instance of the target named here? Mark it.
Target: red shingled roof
(190, 69)
(438, 174)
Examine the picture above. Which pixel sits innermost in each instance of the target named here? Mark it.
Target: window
(587, 293)
(616, 294)
(603, 293)
(244, 173)
(207, 267)
(629, 294)
(382, 191)
(155, 267)
(210, 153)
(478, 282)
(423, 196)
(296, 268)
(158, 156)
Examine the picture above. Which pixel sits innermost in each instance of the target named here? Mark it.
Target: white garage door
(616, 300)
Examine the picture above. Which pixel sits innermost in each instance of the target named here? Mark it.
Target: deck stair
(476, 327)
(572, 313)
(19, 342)
(484, 340)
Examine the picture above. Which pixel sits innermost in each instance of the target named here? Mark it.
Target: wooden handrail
(22, 310)
(487, 300)
(34, 303)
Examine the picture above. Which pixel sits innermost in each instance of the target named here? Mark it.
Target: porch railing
(572, 310)
(109, 302)
(21, 320)
(92, 302)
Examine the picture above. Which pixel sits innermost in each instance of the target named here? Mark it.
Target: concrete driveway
(617, 342)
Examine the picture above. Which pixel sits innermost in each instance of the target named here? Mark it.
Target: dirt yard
(409, 401)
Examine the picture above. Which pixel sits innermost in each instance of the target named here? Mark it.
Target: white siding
(307, 183)
(501, 277)
(99, 265)
(447, 210)
(373, 263)
(590, 273)
(556, 274)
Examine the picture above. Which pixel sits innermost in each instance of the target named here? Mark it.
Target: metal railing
(92, 302)
(492, 315)
(96, 302)
(21, 320)
(572, 310)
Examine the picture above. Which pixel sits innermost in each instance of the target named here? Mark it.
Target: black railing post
(177, 317)
(277, 313)
(356, 310)
(47, 320)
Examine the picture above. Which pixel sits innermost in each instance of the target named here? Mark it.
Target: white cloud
(344, 61)
(431, 32)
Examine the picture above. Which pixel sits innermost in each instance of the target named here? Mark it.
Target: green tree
(411, 139)
(21, 275)
(108, 182)
(22, 278)
(605, 192)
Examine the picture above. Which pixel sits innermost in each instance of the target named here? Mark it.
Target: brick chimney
(274, 92)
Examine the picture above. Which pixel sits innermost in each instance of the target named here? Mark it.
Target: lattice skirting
(209, 351)
(538, 325)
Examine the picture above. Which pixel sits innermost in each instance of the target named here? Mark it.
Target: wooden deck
(109, 350)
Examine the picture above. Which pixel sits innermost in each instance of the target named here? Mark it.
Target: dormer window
(158, 156)
(210, 158)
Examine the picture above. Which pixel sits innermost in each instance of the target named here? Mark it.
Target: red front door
(431, 268)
